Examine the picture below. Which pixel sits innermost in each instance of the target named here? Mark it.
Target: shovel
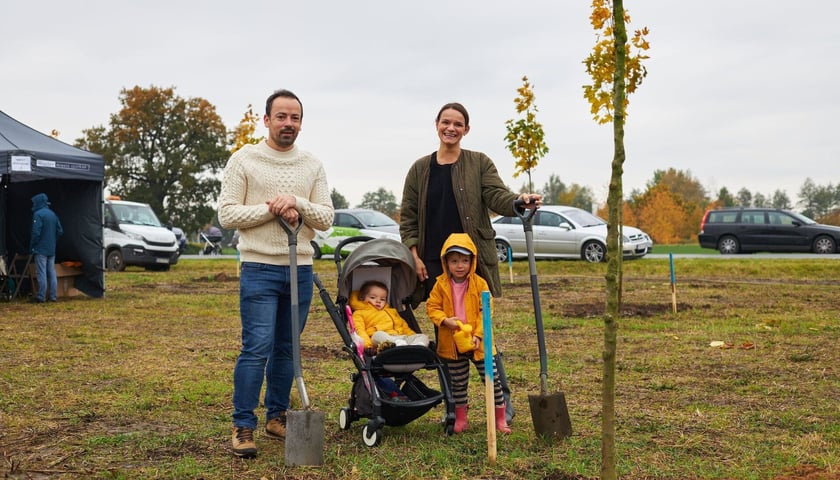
(304, 428)
(549, 412)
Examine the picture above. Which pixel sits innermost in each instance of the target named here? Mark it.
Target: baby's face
(378, 297)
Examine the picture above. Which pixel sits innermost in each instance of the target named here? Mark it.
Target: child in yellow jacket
(456, 297)
(377, 322)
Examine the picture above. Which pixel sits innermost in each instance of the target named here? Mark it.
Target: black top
(442, 218)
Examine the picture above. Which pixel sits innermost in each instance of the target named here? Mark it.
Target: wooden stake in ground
(673, 284)
(488, 378)
(510, 263)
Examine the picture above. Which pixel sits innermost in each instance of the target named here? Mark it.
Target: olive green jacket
(478, 190)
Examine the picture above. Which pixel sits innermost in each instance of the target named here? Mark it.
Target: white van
(133, 235)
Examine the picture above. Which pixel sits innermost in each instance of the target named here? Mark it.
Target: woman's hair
(370, 284)
(454, 106)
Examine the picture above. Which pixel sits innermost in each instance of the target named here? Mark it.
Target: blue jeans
(265, 306)
(45, 272)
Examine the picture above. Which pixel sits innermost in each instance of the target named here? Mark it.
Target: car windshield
(584, 218)
(136, 214)
(375, 219)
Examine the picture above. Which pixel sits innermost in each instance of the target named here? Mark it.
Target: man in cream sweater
(262, 182)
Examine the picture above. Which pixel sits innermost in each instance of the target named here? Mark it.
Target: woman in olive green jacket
(450, 191)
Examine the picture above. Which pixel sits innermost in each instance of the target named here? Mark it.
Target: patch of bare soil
(596, 309)
(320, 352)
(808, 472)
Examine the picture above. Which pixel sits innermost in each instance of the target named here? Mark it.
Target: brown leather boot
(276, 427)
(243, 443)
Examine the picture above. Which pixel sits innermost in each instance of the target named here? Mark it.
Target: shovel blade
(304, 438)
(550, 416)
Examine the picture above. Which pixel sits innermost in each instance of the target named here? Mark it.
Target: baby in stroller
(379, 325)
(388, 388)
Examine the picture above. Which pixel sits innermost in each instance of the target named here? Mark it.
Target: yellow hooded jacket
(439, 306)
(369, 320)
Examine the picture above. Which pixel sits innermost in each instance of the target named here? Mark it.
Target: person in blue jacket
(46, 228)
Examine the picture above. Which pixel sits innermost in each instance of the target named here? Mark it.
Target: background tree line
(169, 151)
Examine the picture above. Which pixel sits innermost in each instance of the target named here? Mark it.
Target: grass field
(138, 384)
(683, 248)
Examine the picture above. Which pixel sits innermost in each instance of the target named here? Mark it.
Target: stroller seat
(390, 262)
(408, 358)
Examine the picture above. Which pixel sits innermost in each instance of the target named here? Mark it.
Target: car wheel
(594, 252)
(824, 245)
(114, 261)
(729, 245)
(502, 250)
(316, 250)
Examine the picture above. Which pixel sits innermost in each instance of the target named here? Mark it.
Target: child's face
(459, 265)
(377, 296)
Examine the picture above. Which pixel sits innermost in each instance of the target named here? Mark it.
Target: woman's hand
(419, 266)
(531, 199)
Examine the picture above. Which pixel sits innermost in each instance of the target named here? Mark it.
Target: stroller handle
(342, 244)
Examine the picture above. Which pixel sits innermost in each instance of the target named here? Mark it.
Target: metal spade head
(304, 437)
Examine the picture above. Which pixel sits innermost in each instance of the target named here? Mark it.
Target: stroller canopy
(381, 252)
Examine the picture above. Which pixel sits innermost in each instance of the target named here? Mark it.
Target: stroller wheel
(371, 437)
(449, 424)
(345, 418)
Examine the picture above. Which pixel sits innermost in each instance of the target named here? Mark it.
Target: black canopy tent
(31, 163)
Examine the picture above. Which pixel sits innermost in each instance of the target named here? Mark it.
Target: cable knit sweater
(257, 173)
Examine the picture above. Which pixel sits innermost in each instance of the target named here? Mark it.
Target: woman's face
(451, 127)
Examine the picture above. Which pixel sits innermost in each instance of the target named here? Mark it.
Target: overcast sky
(739, 92)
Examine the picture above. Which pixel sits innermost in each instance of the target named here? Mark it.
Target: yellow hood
(463, 241)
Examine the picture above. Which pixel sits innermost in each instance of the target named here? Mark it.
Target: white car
(365, 219)
(565, 232)
(325, 242)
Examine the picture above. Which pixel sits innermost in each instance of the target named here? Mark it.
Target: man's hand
(285, 206)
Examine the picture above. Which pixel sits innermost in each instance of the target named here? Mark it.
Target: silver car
(565, 232)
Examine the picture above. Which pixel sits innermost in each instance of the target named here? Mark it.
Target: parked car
(365, 219)
(743, 230)
(565, 232)
(181, 238)
(133, 235)
(325, 242)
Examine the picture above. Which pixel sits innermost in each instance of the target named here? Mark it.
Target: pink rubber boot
(460, 419)
(501, 422)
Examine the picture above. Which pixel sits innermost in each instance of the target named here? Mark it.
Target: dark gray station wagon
(743, 230)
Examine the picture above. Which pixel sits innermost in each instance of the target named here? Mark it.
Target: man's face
(284, 123)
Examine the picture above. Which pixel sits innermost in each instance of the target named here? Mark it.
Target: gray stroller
(376, 377)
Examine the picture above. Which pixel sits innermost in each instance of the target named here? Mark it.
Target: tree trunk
(614, 251)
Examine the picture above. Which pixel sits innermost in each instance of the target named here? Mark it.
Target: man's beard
(286, 138)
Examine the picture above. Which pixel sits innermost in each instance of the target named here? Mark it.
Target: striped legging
(459, 373)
